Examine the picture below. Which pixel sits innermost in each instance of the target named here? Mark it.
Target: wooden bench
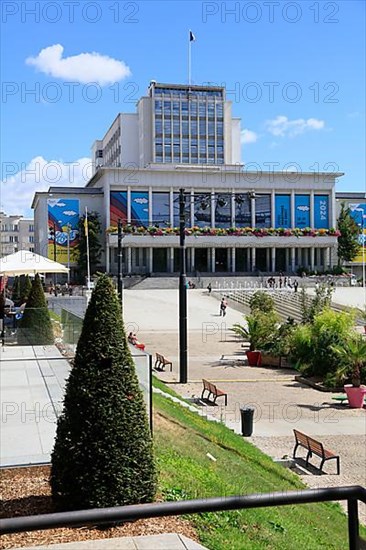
(212, 390)
(161, 362)
(314, 447)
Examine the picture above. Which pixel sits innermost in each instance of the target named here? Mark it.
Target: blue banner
(321, 212)
(302, 211)
(358, 213)
(140, 208)
(283, 211)
(63, 219)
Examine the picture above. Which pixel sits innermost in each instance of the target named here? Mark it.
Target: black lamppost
(183, 339)
(183, 351)
(119, 262)
(53, 237)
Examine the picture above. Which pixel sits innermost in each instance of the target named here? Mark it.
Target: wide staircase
(287, 302)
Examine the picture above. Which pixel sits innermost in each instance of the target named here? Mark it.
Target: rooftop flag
(192, 38)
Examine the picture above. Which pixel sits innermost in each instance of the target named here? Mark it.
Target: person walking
(296, 284)
(223, 306)
(209, 288)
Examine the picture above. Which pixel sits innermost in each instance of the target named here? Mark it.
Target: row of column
(294, 258)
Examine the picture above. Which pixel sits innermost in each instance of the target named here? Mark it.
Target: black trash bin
(247, 414)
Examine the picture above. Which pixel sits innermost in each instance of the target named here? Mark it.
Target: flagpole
(189, 57)
(87, 247)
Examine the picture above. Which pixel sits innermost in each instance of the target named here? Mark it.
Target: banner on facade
(63, 228)
(358, 213)
(321, 212)
(302, 211)
(118, 207)
(139, 208)
(283, 211)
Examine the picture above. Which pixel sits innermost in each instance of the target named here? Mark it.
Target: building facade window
(263, 211)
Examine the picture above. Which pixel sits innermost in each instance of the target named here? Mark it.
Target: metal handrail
(99, 516)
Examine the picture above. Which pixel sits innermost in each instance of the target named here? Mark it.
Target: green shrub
(15, 294)
(261, 329)
(313, 345)
(35, 327)
(283, 338)
(103, 452)
(261, 301)
(352, 355)
(310, 307)
(25, 288)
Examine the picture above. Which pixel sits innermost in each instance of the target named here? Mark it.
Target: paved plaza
(280, 402)
(32, 382)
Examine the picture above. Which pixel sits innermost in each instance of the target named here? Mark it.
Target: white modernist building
(238, 221)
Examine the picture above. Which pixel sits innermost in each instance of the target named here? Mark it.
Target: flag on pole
(86, 223)
(192, 37)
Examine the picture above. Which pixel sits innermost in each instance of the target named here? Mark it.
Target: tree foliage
(310, 307)
(35, 328)
(352, 355)
(261, 301)
(25, 288)
(261, 329)
(15, 295)
(95, 249)
(348, 243)
(103, 452)
(313, 345)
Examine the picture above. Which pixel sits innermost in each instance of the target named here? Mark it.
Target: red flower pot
(254, 358)
(355, 396)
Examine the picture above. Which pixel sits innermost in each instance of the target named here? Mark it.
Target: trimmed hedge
(103, 454)
(35, 327)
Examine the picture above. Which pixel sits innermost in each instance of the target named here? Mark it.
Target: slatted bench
(161, 362)
(212, 390)
(314, 447)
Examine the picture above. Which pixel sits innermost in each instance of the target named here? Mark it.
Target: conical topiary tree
(15, 295)
(103, 453)
(25, 288)
(35, 327)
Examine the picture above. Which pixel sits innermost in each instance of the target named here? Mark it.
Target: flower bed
(231, 231)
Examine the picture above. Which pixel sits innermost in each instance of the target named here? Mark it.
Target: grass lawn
(182, 441)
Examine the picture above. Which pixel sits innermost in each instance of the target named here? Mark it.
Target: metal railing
(99, 516)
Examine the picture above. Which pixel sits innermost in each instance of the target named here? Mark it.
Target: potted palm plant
(260, 331)
(353, 359)
(249, 333)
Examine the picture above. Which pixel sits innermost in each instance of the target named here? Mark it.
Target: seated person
(132, 338)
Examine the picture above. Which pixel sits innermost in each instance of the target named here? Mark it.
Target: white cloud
(248, 136)
(84, 68)
(141, 200)
(283, 127)
(17, 190)
(70, 213)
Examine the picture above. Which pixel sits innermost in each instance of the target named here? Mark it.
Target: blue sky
(295, 72)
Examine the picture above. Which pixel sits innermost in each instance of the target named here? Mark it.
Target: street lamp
(53, 237)
(183, 351)
(183, 339)
(119, 262)
(68, 230)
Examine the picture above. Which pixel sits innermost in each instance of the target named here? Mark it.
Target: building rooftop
(350, 195)
(64, 190)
